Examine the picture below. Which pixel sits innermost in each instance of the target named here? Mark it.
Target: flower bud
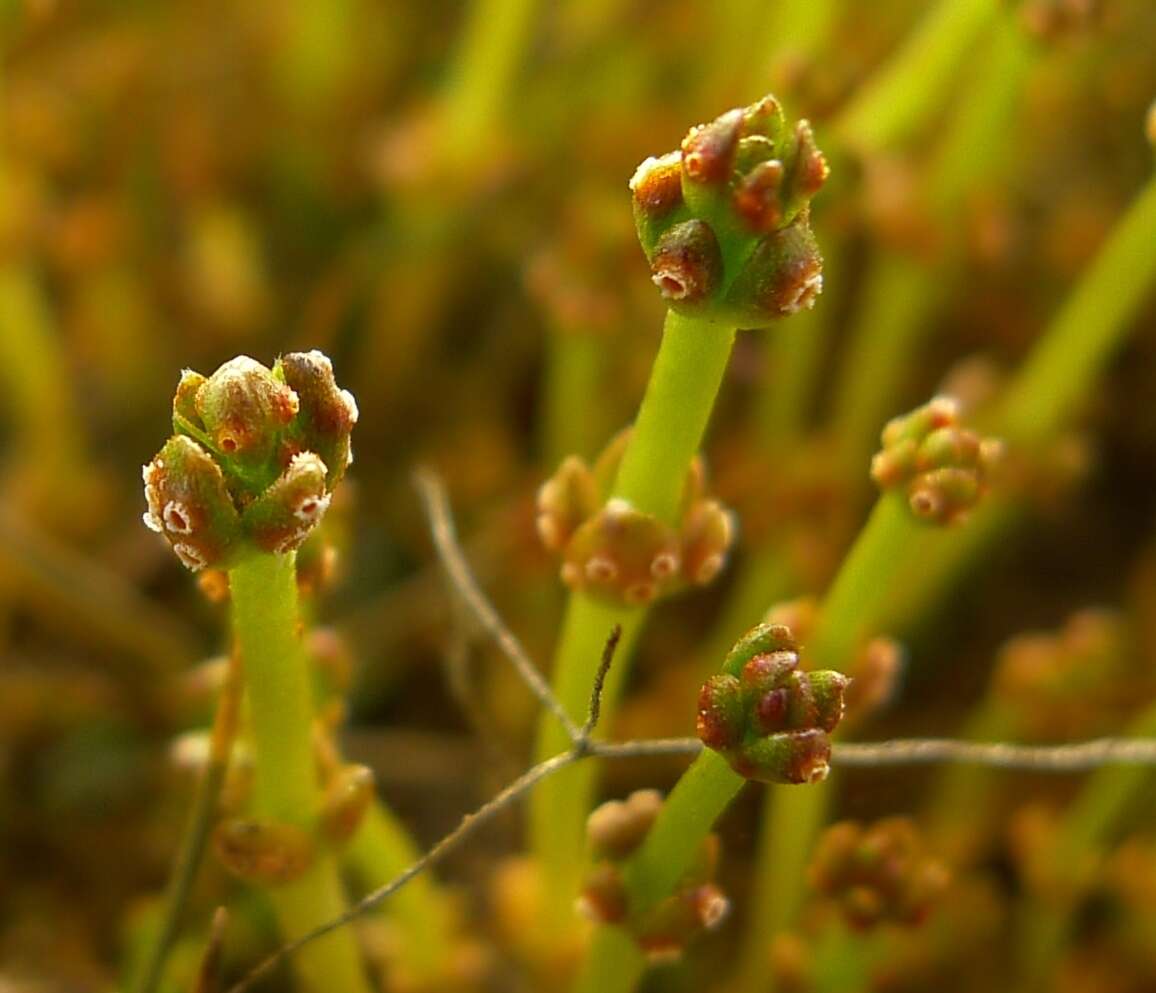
(264, 852)
(878, 874)
(617, 553)
(253, 462)
(944, 468)
(767, 717)
(724, 221)
(616, 830)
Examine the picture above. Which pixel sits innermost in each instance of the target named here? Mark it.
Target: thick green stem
(671, 422)
(266, 626)
(906, 94)
(575, 363)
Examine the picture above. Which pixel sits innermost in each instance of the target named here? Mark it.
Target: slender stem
(196, 834)
(672, 420)
(667, 433)
(1088, 328)
(480, 78)
(266, 626)
(382, 849)
(906, 94)
(613, 963)
(575, 363)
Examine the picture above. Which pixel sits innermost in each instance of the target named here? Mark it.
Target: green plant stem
(479, 80)
(902, 97)
(575, 363)
(704, 792)
(667, 433)
(792, 818)
(381, 850)
(901, 291)
(33, 373)
(1087, 330)
(961, 805)
(266, 626)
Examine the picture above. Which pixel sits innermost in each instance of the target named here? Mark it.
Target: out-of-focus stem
(263, 592)
(667, 433)
(479, 80)
(33, 371)
(573, 423)
(381, 850)
(902, 97)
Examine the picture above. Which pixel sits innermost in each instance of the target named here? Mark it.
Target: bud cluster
(1072, 683)
(253, 461)
(878, 874)
(944, 469)
(766, 716)
(613, 551)
(615, 831)
(724, 220)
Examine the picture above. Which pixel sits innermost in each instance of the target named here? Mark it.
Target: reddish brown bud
(348, 796)
(263, 852)
(708, 150)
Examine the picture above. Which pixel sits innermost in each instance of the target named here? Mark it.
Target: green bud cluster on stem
(767, 717)
(253, 460)
(724, 221)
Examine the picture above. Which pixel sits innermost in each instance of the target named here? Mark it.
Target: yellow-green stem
(266, 625)
(906, 93)
(380, 851)
(671, 422)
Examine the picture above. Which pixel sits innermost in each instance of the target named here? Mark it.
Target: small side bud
(327, 413)
(687, 264)
(565, 501)
(943, 468)
(657, 192)
(708, 150)
(783, 276)
(190, 506)
(348, 796)
(616, 828)
(284, 515)
(263, 852)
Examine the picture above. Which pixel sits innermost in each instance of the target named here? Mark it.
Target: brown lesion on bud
(616, 830)
(943, 468)
(613, 551)
(769, 718)
(878, 874)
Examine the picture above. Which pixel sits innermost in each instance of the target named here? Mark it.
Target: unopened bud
(283, 516)
(348, 796)
(616, 828)
(565, 501)
(944, 468)
(767, 717)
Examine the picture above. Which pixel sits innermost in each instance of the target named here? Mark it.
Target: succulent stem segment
(265, 619)
(724, 225)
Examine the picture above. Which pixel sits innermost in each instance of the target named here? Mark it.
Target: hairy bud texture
(253, 460)
(766, 716)
(943, 468)
(615, 831)
(615, 552)
(724, 220)
(878, 874)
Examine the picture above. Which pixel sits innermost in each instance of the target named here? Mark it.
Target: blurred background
(435, 195)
